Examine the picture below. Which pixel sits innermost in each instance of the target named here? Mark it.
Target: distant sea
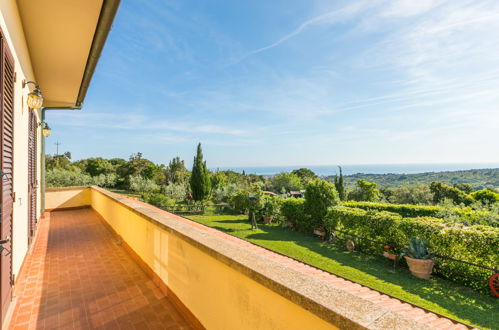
(325, 170)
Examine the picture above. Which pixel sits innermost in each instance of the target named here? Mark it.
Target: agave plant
(417, 249)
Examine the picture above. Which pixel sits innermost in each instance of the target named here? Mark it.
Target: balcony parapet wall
(222, 285)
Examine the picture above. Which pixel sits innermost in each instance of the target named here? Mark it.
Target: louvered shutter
(7, 79)
(32, 186)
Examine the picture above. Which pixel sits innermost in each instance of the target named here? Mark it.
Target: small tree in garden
(442, 191)
(365, 191)
(319, 196)
(142, 185)
(285, 182)
(255, 203)
(200, 179)
(176, 172)
(485, 196)
(271, 205)
(340, 185)
(305, 174)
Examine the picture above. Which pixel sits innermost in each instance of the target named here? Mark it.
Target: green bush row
(294, 211)
(476, 244)
(465, 215)
(405, 210)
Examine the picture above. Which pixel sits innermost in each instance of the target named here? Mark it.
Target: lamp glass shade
(35, 99)
(46, 131)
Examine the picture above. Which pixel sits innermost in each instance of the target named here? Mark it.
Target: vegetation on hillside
(478, 179)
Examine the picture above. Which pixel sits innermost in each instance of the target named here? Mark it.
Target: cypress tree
(340, 185)
(200, 180)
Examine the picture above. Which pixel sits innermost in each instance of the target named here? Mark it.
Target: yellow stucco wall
(219, 296)
(12, 29)
(67, 197)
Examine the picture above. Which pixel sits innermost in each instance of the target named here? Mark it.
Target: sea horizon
(327, 170)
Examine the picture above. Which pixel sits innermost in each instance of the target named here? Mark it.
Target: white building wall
(11, 25)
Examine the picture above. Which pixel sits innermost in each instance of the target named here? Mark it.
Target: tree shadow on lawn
(461, 301)
(226, 230)
(235, 221)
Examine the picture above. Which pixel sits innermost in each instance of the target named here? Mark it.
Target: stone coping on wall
(347, 305)
(67, 188)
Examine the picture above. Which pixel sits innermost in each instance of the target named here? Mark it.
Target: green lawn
(438, 295)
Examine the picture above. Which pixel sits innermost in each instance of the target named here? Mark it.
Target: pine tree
(340, 185)
(200, 180)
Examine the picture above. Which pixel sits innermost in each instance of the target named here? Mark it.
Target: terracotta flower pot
(267, 219)
(319, 232)
(421, 268)
(389, 255)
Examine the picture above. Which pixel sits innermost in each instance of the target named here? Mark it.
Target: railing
(358, 239)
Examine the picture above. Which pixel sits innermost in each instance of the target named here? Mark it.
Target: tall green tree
(340, 185)
(176, 172)
(443, 191)
(319, 196)
(285, 182)
(365, 191)
(200, 178)
(305, 175)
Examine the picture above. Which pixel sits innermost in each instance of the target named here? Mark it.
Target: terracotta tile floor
(78, 277)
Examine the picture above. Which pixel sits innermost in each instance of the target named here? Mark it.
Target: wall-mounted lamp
(35, 97)
(46, 129)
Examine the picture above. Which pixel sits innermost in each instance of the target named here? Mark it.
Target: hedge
(374, 225)
(294, 211)
(476, 244)
(465, 215)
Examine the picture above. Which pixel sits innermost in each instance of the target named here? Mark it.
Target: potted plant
(319, 231)
(388, 253)
(419, 258)
(270, 208)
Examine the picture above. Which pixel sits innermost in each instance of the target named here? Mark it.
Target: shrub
(453, 214)
(485, 196)
(442, 191)
(478, 215)
(239, 201)
(319, 196)
(379, 226)
(476, 244)
(365, 191)
(223, 193)
(294, 211)
(59, 177)
(285, 182)
(271, 206)
(419, 194)
(405, 210)
(142, 185)
(176, 191)
(158, 200)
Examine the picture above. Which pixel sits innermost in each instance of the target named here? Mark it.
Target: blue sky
(294, 83)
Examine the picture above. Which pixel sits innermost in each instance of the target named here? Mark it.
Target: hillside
(479, 179)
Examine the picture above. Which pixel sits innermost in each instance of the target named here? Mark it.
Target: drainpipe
(42, 165)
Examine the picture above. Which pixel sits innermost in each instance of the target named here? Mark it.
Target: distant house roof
(269, 193)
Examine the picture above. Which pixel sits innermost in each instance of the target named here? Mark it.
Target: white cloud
(329, 17)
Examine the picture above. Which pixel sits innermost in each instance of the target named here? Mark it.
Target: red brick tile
(77, 277)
